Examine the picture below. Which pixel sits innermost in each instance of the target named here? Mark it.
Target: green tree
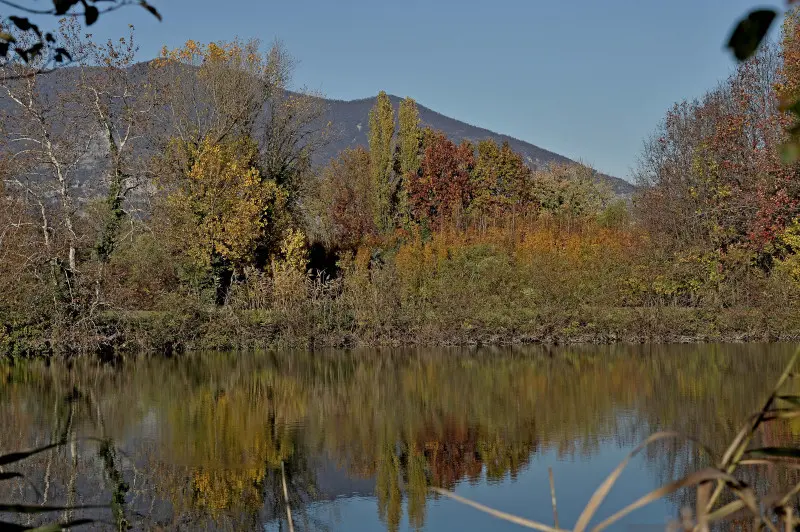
(381, 149)
(409, 138)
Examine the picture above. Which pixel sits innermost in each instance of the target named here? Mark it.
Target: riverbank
(167, 332)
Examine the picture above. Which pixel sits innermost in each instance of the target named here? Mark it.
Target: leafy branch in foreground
(30, 43)
(745, 39)
(766, 512)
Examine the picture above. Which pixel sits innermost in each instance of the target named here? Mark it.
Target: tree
(500, 182)
(210, 92)
(344, 200)
(38, 135)
(112, 94)
(441, 191)
(712, 175)
(381, 151)
(221, 209)
(291, 130)
(568, 191)
(409, 137)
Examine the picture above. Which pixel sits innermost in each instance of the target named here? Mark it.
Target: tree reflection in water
(199, 440)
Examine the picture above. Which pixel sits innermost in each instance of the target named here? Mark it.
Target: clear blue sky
(588, 79)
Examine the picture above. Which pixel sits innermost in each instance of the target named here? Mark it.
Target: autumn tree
(214, 100)
(113, 95)
(381, 150)
(210, 92)
(569, 191)
(291, 131)
(39, 136)
(343, 202)
(712, 174)
(441, 190)
(221, 209)
(500, 182)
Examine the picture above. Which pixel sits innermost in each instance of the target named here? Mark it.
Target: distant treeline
(211, 227)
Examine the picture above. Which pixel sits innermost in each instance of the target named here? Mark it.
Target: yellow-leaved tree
(221, 208)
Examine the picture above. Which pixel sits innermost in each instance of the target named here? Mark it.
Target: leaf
(151, 9)
(749, 33)
(774, 452)
(745, 494)
(793, 399)
(35, 50)
(23, 53)
(22, 23)
(62, 6)
(725, 511)
(91, 14)
(61, 53)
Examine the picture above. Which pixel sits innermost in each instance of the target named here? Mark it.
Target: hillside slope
(350, 121)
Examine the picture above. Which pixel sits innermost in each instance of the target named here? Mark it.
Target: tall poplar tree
(409, 141)
(381, 150)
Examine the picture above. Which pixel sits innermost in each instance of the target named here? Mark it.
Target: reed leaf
(496, 513)
(604, 489)
(744, 493)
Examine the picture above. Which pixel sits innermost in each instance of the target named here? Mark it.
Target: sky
(588, 79)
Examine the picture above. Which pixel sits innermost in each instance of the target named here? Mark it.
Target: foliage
(381, 148)
(222, 206)
(501, 181)
(34, 45)
(343, 201)
(712, 174)
(441, 191)
(409, 144)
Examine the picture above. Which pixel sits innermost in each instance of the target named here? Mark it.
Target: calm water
(198, 441)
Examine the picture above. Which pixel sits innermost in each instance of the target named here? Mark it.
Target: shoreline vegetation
(453, 291)
(206, 226)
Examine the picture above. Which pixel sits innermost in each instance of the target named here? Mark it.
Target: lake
(205, 440)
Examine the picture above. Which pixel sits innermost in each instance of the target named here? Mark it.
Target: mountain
(350, 121)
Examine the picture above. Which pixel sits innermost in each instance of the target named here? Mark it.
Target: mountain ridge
(350, 122)
(350, 119)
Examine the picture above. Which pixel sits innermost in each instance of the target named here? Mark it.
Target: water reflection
(199, 441)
